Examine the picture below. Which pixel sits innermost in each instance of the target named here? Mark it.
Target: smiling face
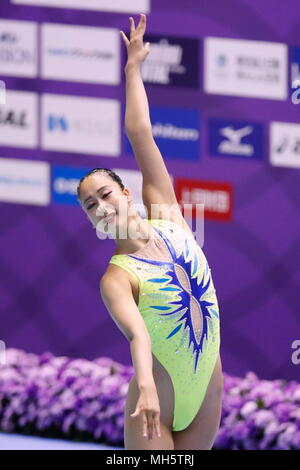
(100, 196)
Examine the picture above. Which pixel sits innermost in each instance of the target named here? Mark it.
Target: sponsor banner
(79, 124)
(130, 6)
(176, 132)
(18, 119)
(24, 181)
(235, 138)
(64, 182)
(216, 197)
(172, 61)
(80, 53)
(239, 67)
(18, 48)
(285, 144)
(2, 92)
(295, 64)
(295, 75)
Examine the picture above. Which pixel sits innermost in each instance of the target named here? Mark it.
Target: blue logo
(295, 75)
(235, 138)
(57, 122)
(64, 182)
(176, 132)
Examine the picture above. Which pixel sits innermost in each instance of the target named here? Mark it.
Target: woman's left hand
(137, 51)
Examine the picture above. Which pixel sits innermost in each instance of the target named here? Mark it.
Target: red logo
(213, 196)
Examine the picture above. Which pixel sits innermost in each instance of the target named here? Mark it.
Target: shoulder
(113, 274)
(115, 277)
(111, 287)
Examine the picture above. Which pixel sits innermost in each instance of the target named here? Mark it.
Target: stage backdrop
(227, 120)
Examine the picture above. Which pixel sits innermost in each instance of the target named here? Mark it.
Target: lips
(109, 217)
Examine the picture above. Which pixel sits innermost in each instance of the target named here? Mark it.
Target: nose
(102, 211)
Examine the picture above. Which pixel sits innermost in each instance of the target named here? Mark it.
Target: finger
(125, 38)
(145, 433)
(150, 424)
(157, 424)
(153, 425)
(142, 23)
(132, 25)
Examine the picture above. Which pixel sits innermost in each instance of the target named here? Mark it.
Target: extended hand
(137, 51)
(148, 407)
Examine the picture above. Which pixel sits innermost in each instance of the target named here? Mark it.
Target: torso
(117, 271)
(160, 375)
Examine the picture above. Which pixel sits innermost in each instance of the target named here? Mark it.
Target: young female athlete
(158, 289)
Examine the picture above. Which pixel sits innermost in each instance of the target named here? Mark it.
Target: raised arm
(157, 184)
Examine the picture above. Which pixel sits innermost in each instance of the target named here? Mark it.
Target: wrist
(146, 385)
(131, 65)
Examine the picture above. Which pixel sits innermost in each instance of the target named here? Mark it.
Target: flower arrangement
(259, 414)
(84, 400)
(74, 399)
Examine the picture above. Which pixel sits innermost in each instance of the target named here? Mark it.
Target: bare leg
(133, 436)
(202, 431)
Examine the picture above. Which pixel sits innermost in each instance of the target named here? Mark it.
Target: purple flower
(263, 417)
(239, 431)
(76, 395)
(248, 408)
(296, 440)
(286, 436)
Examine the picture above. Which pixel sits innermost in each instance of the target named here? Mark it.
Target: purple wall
(51, 261)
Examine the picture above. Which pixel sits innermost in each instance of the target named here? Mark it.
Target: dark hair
(106, 171)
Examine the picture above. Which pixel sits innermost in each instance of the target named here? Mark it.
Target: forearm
(141, 355)
(137, 114)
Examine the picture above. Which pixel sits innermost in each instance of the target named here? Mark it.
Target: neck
(135, 236)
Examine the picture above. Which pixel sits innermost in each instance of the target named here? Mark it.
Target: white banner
(285, 144)
(242, 67)
(18, 48)
(80, 53)
(122, 6)
(18, 119)
(24, 181)
(79, 124)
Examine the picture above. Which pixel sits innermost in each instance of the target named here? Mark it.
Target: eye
(92, 205)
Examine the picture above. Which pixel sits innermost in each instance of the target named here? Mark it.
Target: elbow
(137, 129)
(142, 337)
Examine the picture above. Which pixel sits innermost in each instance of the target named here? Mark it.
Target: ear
(128, 195)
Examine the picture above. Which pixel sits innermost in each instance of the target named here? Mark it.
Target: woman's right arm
(119, 301)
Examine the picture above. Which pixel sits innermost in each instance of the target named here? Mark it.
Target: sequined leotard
(179, 306)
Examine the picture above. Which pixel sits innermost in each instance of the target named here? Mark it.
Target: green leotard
(178, 303)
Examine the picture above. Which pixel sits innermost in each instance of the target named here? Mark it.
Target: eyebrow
(98, 190)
